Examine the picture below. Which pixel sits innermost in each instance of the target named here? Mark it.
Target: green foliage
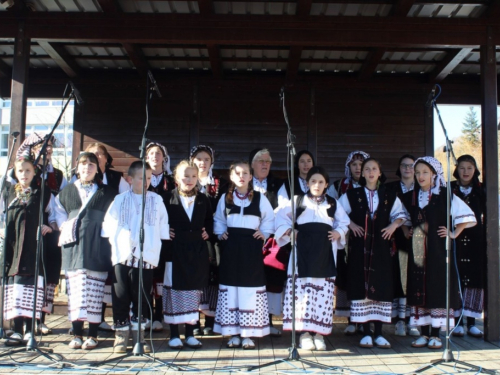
(471, 128)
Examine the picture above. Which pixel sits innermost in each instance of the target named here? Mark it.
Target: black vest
(252, 209)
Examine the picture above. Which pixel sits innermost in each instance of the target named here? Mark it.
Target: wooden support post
(489, 102)
(312, 128)
(19, 94)
(429, 130)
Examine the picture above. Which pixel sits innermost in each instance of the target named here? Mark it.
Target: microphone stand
(4, 193)
(138, 349)
(293, 353)
(447, 353)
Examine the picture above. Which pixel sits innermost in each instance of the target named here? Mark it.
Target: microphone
(153, 81)
(282, 95)
(76, 93)
(430, 98)
(15, 134)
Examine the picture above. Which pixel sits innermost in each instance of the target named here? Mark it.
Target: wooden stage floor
(343, 355)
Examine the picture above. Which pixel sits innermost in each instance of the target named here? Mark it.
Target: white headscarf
(436, 165)
(349, 160)
(166, 158)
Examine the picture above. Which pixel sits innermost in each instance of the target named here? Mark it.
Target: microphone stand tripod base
(138, 349)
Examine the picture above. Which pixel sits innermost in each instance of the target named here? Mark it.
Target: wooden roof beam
(402, 7)
(373, 59)
(136, 55)
(292, 68)
(109, 6)
(62, 57)
(215, 60)
(450, 62)
(206, 7)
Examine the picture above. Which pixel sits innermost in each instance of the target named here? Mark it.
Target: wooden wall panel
(235, 119)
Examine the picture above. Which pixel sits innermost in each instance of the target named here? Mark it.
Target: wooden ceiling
(360, 39)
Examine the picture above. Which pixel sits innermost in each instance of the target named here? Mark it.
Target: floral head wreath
(166, 158)
(437, 168)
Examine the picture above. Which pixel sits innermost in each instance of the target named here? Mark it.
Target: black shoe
(197, 332)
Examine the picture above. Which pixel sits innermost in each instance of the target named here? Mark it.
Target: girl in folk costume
(55, 181)
(86, 256)
(304, 161)
(375, 213)
(187, 267)
(107, 175)
(352, 175)
(243, 220)
(21, 248)
(161, 182)
(213, 187)
(470, 246)
(122, 225)
(321, 226)
(400, 311)
(115, 180)
(426, 290)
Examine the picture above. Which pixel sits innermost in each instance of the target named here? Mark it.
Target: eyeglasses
(260, 161)
(406, 166)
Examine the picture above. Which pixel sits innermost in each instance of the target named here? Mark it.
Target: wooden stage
(342, 352)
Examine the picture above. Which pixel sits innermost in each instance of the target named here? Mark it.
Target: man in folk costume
(336, 190)
(161, 182)
(86, 256)
(427, 282)
(55, 181)
(275, 267)
(122, 226)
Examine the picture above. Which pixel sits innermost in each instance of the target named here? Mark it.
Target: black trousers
(126, 290)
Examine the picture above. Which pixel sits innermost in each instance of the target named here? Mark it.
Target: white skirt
(366, 310)
(179, 306)
(208, 303)
(48, 302)
(242, 311)
(399, 308)
(313, 305)
(19, 298)
(473, 302)
(85, 295)
(275, 303)
(342, 304)
(434, 317)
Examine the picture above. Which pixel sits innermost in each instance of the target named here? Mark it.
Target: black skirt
(314, 251)
(190, 263)
(241, 260)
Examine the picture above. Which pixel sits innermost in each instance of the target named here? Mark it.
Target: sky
(453, 117)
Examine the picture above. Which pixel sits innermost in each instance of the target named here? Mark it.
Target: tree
(471, 129)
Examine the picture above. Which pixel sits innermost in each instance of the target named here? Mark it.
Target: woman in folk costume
(426, 290)
(213, 187)
(161, 182)
(470, 246)
(115, 180)
(375, 213)
(86, 256)
(21, 247)
(243, 220)
(55, 181)
(321, 226)
(400, 311)
(304, 161)
(350, 181)
(187, 268)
